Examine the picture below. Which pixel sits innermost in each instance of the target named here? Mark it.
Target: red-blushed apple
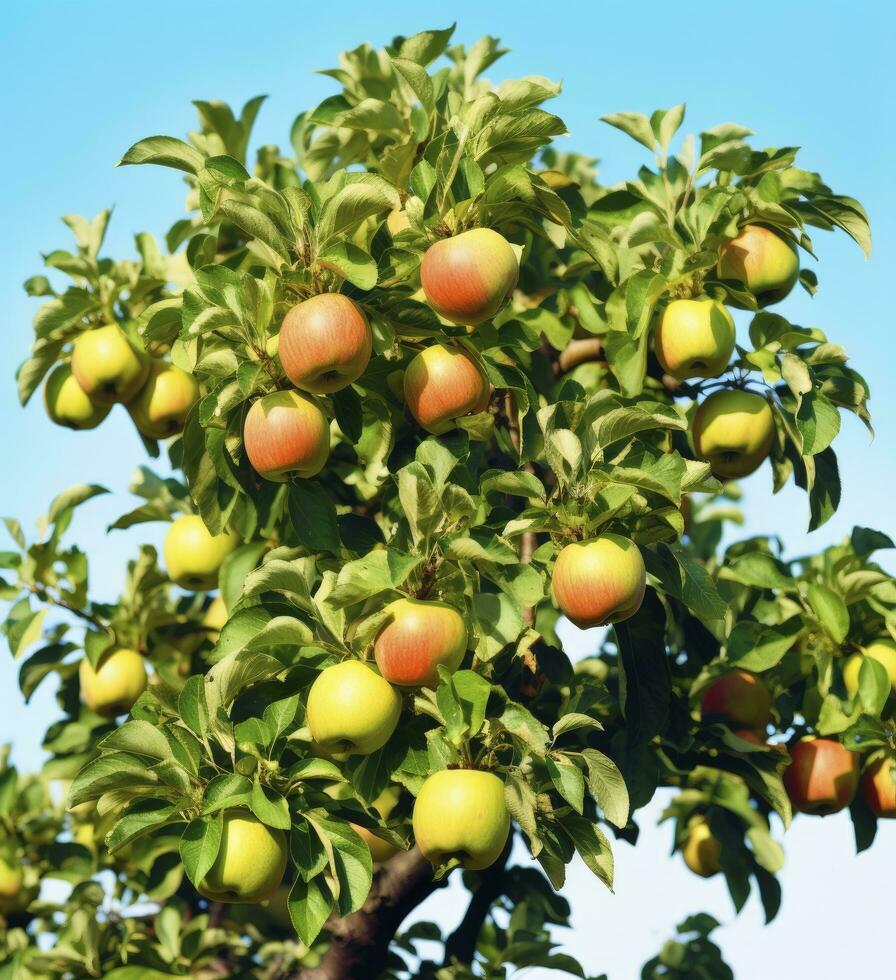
(286, 434)
(108, 366)
(421, 637)
(878, 787)
(325, 343)
(733, 431)
(822, 776)
(193, 555)
(351, 710)
(461, 814)
(599, 581)
(739, 698)
(160, 407)
(701, 850)
(763, 260)
(883, 651)
(442, 384)
(694, 338)
(68, 404)
(467, 278)
(250, 863)
(111, 688)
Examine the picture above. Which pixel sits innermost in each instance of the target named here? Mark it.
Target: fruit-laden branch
(359, 943)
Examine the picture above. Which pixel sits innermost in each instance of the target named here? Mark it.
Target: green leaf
(310, 904)
(165, 151)
(830, 610)
(312, 513)
(269, 806)
(635, 125)
(592, 845)
(645, 682)
(567, 779)
(818, 421)
(199, 845)
(607, 786)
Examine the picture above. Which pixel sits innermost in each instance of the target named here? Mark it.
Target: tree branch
(577, 352)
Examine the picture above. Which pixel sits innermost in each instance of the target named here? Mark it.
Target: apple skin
(285, 435)
(216, 616)
(250, 864)
(599, 581)
(442, 384)
(12, 888)
(883, 651)
(397, 221)
(351, 710)
(380, 850)
(193, 555)
(741, 699)
(733, 430)
(878, 788)
(461, 813)
(701, 850)
(694, 338)
(118, 680)
(467, 278)
(109, 368)
(822, 777)
(421, 637)
(68, 404)
(764, 261)
(325, 343)
(160, 407)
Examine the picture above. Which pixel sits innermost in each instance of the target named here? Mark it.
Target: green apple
(111, 688)
(694, 338)
(160, 407)
(461, 813)
(420, 637)
(766, 262)
(352, 710)
(68, 404)
(109, 368)
(12, 888)
(193, 555)
(701, 850)
(734, 431)
(883, 651)
(251, 861)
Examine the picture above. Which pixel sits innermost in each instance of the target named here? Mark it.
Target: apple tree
(423, 385)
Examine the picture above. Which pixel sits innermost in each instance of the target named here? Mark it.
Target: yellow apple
(68, 404)
(701, 850)
(160, 407)
(114, 685)
(193, 555)
(380, 850)
(397, 221)
(251, 861)
(694, 338)
(883, 651)
(766, 262)
(216, 616)
(733, 430)
(109, 368)
(12, 888)
(421, 637)
(461, 813)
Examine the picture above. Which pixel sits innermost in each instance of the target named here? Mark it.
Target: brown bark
(578, 352)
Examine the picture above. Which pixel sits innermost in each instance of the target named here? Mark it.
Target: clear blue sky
(83, 81)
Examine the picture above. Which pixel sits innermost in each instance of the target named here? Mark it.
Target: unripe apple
(380, 850)
(701, 850)
(215, 618)
(160, 407)
(879, 789)
(325, 343)
(397, 221)
(109, 368)
(733, 430)
(251, 861)
(822, 777)
(765, 262)
(352, 710)
(461, 813)
(111, 688)
(883, 651)
(421, 637)
(739, 698)
(442, 384)
(467, 278)
(286, 434)
(68, 404)
(599, 581)
(193, 555)
(12, 888)
(694, 338)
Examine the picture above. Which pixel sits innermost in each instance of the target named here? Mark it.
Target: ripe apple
(114, 685)
(286, 434)
(442, 384)
(883, 651)
(12, 888)
(325, 343)
(160, 407)
(733, 430)
(216, 615)
(879, 788)
(461, 813)
(251, 861)
(352, 710)
(193, 555)
(822, 777)
(748, 735)
(397, 221)
(467, 278)
(68, 404)
(701, 850)
(599, 581)
(694, 338)
(765, 262)
(380, 850)
(739, 698)
(109, 368)
(421, 637)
